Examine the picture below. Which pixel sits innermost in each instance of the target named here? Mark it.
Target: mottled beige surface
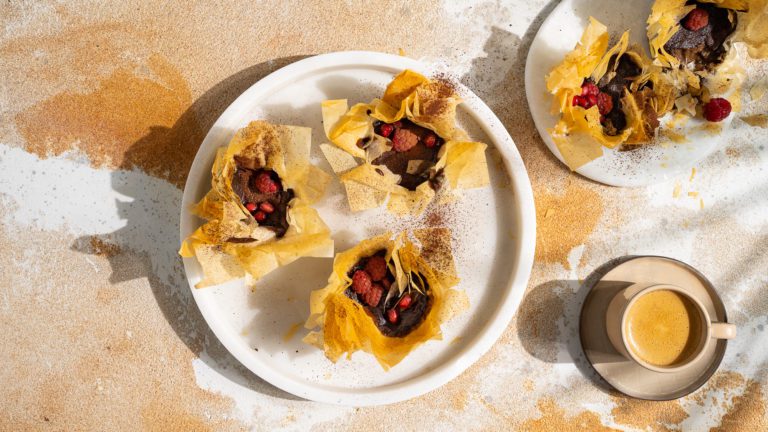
(101, 332)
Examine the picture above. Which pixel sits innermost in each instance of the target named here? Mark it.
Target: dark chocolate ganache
(398, 315)
(410, 142)
(614, 122)
(705, 46)
(262, 194)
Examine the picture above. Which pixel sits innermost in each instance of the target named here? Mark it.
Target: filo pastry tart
(258, 208)
(606, 97)
(386, 297)
(699, 34)
(404, 146)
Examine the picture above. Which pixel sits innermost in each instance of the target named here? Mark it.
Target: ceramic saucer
(625, 375)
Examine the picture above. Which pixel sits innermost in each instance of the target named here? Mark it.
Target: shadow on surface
(151, 212)
(548, 321)
(501, 73)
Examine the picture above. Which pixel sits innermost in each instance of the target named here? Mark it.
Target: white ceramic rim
(704, 315)
(524, 215)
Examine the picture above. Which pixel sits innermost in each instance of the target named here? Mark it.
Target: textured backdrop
(102, 108)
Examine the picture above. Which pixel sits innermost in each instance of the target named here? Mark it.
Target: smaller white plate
(557, 36)
(494, 235)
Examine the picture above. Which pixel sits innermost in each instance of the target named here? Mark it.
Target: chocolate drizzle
(244, 186)
(408, 318)
(397, 162)
(704, 47)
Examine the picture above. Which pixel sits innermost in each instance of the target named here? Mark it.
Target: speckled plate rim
(713, 365)
(521, 196)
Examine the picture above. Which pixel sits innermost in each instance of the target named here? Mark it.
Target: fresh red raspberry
(405, 302)
(260, 216)
(386, 283)
(266, 207)
(386, 129)
(376, 267)
(717, 109)
(250, 207)
(589, 88)
(577, 100)
(430, 140)
(591, 101)
(265, 184)
(696, 19)
(361, 282)
(404, 140)
(604, 103)
(392, 316)
(372, 297)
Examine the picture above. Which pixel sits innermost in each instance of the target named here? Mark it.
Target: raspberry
(392, 316)
(265, 184)
(430, 140)
(372, 297)
(386, 283)
(591, 100)
(577, 100)
(589, 88)
(717, 109)
(266, 207)
(376, 267)
(250, 207)
(696, 19)
(404, 140)
(604, 103)
(361, 282)
(405, 302)
(260, 216)
(386, 130)
(398, 124)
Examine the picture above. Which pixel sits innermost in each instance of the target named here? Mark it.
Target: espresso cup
(663, 328)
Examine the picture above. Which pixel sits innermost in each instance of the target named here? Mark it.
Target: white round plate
(493, 241)
(557, 36)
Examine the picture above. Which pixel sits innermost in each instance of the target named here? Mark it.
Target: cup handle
(723, 331)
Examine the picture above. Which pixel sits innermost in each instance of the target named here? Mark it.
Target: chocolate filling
(245, 186)
(408, 318)
(397, 161)
(704, 47)
(626, 71)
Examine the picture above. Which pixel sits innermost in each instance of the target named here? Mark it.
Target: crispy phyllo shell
(580, 134)
(430, 104)
(753, 28)
(749, 17)
(232, 244)
(342, 325)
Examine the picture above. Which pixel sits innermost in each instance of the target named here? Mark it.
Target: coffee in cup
(661, 327)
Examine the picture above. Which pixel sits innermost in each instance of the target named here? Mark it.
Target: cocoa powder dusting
(101, 246)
